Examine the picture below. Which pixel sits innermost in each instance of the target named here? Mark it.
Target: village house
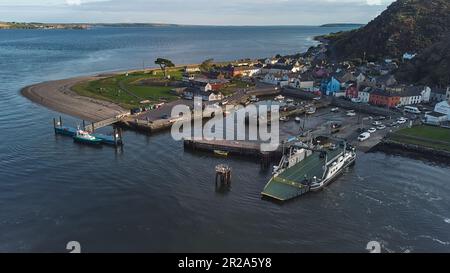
(351, 91)
(386, 81)
(276, 79)
(331, 87)
(438, 94)
(271, 61)
(385, 98)
(192, 92)
(244, 71)
(306, 85)
(364, 94)
(284, 69)
(411, 95)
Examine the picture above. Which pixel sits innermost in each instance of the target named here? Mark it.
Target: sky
(193, 12)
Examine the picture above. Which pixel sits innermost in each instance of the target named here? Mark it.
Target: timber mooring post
(84, 125)
(223, 174)
(60, 121)
(54, 125)
(115, 136)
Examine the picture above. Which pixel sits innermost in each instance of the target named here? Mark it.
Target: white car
(364, 136)
(372, 130)
(335, 110)
(351, 114)
(401, 121)
(381, 127)
(377, 123)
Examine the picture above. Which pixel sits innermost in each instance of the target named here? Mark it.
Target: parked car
(381, 127)
(376, 123)
(335, 110)
(393, 124)
(401, 121)
(372, 130)
(351, 114)
(364, 136)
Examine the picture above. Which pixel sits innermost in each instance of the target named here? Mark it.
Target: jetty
(241, 148)
(115, 139)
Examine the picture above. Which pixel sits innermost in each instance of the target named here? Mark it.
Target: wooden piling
(223, 174)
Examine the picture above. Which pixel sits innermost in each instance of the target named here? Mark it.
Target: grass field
(427, 136)
(127, 90)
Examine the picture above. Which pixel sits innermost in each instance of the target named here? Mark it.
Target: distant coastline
(22, 25)
(82, 26)
(342, 25)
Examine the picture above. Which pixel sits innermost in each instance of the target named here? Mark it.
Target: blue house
(332, 87)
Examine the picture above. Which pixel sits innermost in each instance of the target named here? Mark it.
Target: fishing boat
(220, 153)
(85, 138)
(306, 169)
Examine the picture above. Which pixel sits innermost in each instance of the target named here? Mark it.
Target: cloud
(197, 12)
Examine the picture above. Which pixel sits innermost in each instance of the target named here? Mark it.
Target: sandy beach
(58, 96)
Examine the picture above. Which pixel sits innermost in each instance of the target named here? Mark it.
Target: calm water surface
(154, 196)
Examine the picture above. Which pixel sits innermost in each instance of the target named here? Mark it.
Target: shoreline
(57, 95)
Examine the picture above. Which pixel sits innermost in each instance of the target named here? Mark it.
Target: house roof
(436, 114)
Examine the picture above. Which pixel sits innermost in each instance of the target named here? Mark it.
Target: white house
(415, 95)
(271, 61)
(364, 95)
(360, 78)
(212, 96)
(305, 85)
(276, 79)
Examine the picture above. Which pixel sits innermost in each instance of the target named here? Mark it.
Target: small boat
(298, 119)
(289, 101)
(285, 119)
(85, 138)
(221, 153)
(279, 98)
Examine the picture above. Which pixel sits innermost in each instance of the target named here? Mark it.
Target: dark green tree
(164, 64)
(206, 65)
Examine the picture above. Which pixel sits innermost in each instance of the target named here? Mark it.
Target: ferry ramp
(294, 181)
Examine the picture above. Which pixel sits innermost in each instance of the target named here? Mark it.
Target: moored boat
(306, 169)
(85, 138)
(220, 153)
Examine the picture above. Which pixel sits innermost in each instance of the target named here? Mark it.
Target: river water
(153, 196)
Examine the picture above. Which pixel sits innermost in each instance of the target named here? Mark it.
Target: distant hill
(20, 25)
(134, 25)
(342, 25)
(406, 26)
(431, 67)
